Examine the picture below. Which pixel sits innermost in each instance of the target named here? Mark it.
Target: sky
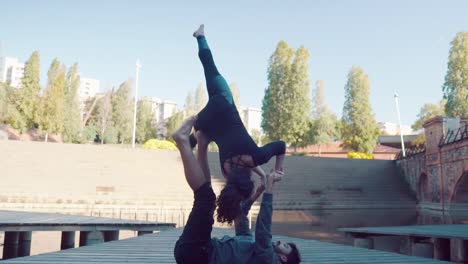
(402, 45)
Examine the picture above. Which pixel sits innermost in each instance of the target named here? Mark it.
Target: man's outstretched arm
(263, 248)
(241, 223)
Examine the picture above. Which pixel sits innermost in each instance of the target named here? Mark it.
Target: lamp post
(399, 123)
(138, 66)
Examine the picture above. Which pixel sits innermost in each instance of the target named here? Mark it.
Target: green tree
(297, 99)
(103, 116)
(318, 100)
(360, 129)
(189, 107)
(323, 125)
(323, 130)
(111, 136)
(9, 113)
(338, 129)
(4, 102)
(28, 94)
(173, 123)
(455, 87)
(428, 111)
(52, 110)
(279, 67)
(88, 134)
(72, 116)
(144, 127)
(195, 101)
(201, 98)
(286, 106)
(122, 112)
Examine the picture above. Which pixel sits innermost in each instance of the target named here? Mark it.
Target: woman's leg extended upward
(215, 83)
(219, 94)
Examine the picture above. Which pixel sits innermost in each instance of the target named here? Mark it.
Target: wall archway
(460, 192)
(423, 188)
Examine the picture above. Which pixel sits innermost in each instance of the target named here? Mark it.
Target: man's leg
(193, 172)
(202, 153)
(194, 245)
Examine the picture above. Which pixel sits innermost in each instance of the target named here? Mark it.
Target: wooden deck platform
(445, 242)
(18, 227)
(26, 221)
(158, 248)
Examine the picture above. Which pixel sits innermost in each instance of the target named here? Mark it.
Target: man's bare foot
(200, 31)
(182, 134)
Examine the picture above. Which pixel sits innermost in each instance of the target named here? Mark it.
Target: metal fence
(454, 136)
(411, 151)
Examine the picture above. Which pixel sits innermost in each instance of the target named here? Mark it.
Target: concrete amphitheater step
(152, 177)
(341, 183)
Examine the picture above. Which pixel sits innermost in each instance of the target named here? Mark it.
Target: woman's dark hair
(238, 187)
(294, 257)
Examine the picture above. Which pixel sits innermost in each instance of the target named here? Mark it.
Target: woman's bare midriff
(244, 160)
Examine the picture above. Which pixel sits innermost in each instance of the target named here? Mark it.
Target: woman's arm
(259, 171)
(279, 165)
(265, 153)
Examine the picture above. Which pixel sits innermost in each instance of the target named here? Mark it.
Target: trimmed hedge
(159, 144)
(360, 155)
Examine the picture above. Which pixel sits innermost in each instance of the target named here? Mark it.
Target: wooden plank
(26, 221)
(158, 248)
(427, 231)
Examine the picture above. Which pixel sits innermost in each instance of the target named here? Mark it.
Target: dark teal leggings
(219, 94)
(215, 83)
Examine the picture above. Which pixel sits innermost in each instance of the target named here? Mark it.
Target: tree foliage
(455, 87)
(52, 105)
(428, 111)
(173, 123)
(360, 155)
(195, 101)
(122, 112)
(189, 107)
(318, 100)
(201, 98)
(286, 105)
(360, 130)
(145, 128)
(5, 92)
(9, 113)
(104, 115)
(159, 144)
(257, 136)
(323, 125)
(27, 96)
(72, 116)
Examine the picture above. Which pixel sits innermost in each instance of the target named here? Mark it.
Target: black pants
(194, 245)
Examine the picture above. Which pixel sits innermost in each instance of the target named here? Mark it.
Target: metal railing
(454, 136)
(411, 151)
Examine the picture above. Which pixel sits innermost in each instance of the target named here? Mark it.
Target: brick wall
(439, 175)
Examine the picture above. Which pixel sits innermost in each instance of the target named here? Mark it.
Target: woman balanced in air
(219, 121)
